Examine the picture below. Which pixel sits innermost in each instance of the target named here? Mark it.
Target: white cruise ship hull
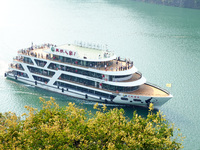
(135, 100)
(87, 73)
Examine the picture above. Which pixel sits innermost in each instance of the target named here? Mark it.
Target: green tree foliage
(177, 3)
(54, 127)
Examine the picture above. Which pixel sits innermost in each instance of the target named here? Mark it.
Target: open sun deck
(112, 65)
(88, 52)
(149, 90)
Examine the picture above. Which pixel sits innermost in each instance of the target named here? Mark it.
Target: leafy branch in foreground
(70, 127)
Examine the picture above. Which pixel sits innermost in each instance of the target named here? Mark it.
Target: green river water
(163, 42)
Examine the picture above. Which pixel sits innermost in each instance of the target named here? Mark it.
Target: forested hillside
(177, 3)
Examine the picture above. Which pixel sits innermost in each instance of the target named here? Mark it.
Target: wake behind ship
(85, 71)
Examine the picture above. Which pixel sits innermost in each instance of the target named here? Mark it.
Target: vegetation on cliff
(177, 3)
(54, 127)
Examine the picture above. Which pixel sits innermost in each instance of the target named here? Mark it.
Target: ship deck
(149, 90)
(88, 52)
(144, 90)
(117, 65)
(135, 77)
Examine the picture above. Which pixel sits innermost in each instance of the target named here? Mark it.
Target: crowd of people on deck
(29, 50)
(121, 65)
(17, 66)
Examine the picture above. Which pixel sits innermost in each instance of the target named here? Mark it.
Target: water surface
(164, 43)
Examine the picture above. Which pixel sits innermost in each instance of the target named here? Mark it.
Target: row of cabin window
(77, 79)
(119, 88)
(27, 60)
(81, 62)
(81, 89)
(83, 72)
(70, 69)
(41, 79)
(18, 73)
(40, 62)
(74, 70)
(92, 83)
(40, 71)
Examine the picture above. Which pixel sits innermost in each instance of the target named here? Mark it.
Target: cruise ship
(85, 71)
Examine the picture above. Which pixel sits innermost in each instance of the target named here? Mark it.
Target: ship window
(40, 63)
(91, 91)
(40, 79)
(27, 60)
(112, 87)
(137, 100)
(124, 98)
(17, 66)
(74, 70)
(21, 74)
(100, 94)
(41, 71)
(121, 76)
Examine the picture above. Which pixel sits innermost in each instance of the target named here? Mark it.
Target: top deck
(83, 52)
(42, 51)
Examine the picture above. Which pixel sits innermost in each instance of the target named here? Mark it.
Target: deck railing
(156, 86)
(126, 64)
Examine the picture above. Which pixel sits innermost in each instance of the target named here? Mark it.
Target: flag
(168, 85)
